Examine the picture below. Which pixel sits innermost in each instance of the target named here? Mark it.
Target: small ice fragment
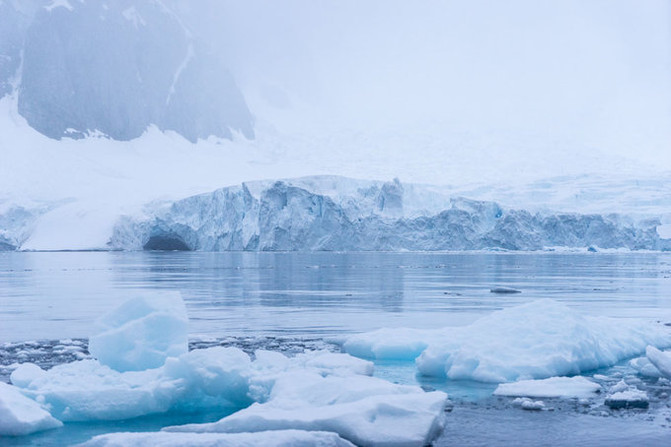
(632, 398)
(504, 290)
(564, 387)
(530, 405)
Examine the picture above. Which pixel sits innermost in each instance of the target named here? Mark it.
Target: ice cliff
(114, 68)
(329, 213)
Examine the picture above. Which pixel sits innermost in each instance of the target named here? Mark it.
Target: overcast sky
(595, 71)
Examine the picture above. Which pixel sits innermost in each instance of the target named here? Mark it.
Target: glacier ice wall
(332, 214)
(114, 68)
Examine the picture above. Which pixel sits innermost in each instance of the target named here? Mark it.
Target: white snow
(20, 415)
(564, 387)
(537, 340)
(142, 332)
(271, 438)
(661, 360)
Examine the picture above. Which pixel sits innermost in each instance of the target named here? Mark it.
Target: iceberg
(271, 438)
(142, 333)
(329, 213)
(537, 340)
(20, 415)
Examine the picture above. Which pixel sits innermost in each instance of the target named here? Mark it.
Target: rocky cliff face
(114, 68)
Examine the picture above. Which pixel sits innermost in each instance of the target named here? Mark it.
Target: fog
(595, 73)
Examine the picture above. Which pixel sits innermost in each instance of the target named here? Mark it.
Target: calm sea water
(47, 296)
(59, 295)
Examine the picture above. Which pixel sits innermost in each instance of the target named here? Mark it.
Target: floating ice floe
(20, 415)
(271, 438)
(661, 360)
(317, 391)
(536, 340)
(142, 332)
(565, 387)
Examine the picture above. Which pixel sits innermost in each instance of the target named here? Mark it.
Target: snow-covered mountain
(340, 214)
(114, 68)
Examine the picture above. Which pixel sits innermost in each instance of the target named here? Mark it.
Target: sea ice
(364, 410)
(20, 415)
(142, 333)
(537, 340)
(577, 386)
(316, 391)
(271, 438)
(661, 360)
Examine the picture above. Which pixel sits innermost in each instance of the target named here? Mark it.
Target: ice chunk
(631, 398)
(20, 415)
(142, 332)
(661, 360)
(578, 386)
(272, 438)
(26, 373)
(364, 410)
(644, 367)
(536, 340)
(87, 390)
(527, 404)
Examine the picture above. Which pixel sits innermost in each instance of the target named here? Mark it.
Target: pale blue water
(47, 296)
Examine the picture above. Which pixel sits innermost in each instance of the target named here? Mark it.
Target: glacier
(331, 213)
(114, 68)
